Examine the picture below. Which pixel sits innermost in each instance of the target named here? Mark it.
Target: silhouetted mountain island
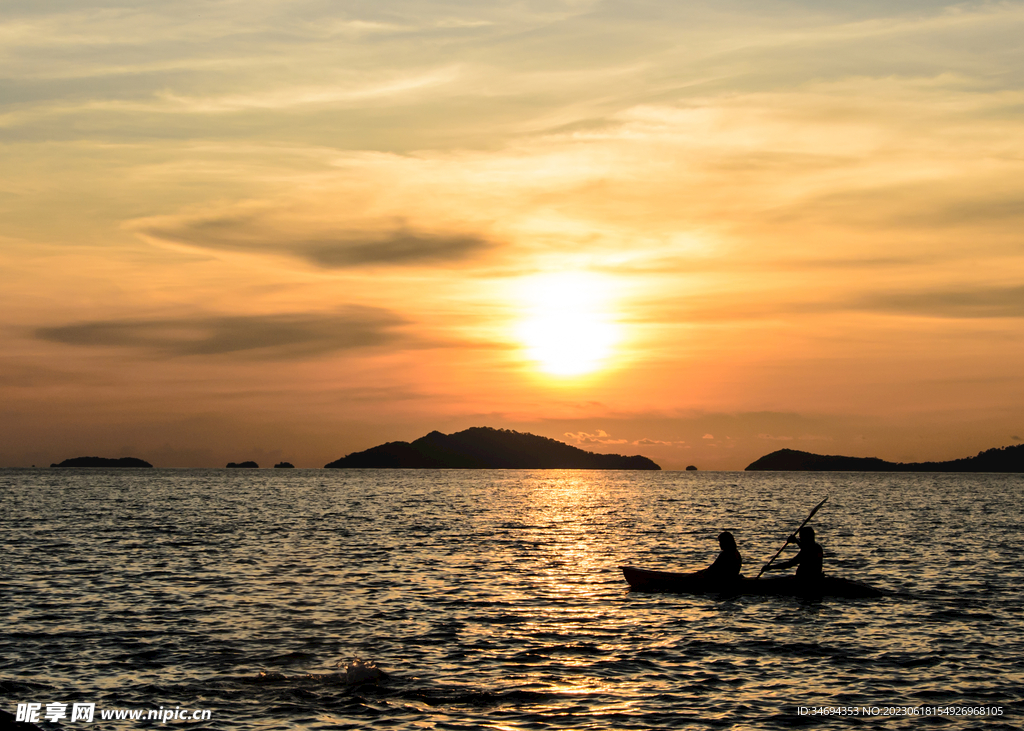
(1005, 459)
(487, 448)
(284, 466)
(103, 462)
(243, 465)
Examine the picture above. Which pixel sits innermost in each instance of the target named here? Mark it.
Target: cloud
(322, 245)
(656, 443)
(933, 205)
(290, 96)
(396, 247)
(263, 336)
(774, 439)
(980, 302)
(991, 302)
(601, 437)
(708, 436)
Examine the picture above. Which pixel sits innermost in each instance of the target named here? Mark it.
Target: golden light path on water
(568, 328)
(566, 506)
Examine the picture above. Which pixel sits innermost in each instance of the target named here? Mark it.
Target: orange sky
(272, 230)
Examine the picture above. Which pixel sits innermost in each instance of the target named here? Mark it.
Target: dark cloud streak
(976, 303)
(963, 304)
(397, 247)
(391, 246)
(270, 337)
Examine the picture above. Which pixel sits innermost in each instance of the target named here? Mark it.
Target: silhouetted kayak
(674, 583)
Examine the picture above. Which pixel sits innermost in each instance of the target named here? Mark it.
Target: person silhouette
(727, 566)
(808, 561)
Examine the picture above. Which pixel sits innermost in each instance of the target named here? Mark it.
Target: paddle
(788, 540)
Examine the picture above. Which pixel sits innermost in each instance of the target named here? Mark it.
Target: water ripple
(494, 599)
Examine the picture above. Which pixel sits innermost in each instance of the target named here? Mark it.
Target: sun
(568, 329)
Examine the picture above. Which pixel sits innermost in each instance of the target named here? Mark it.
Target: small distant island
(691, 468)
(123, 462)
(487, 448)
(284, 466)
(242, 465)
(1004, 459)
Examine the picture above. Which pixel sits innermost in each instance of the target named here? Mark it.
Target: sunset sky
(699, 232)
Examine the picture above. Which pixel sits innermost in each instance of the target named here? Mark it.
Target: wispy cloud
(271, 337)
(600, 437)
(319, 243)
(993, 302)
(391, 90)
(658, 443)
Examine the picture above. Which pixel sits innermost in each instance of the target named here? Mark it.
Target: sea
(450, 599)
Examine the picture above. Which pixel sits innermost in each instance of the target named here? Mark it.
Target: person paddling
(808, 561)
(727, 566)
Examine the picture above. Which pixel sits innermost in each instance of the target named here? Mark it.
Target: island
(242, 465)
(123, 462)
(488, 449)
(284, 466)
(1000, 459)
(691, 468)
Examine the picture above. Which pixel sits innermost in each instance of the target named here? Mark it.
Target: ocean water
(402, 599)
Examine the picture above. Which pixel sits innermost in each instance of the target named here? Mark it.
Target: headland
(1004, 459)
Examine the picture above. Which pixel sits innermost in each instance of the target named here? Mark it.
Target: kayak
(669, 582)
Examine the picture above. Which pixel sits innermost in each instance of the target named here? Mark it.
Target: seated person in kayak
(727, 566)
(808, 561)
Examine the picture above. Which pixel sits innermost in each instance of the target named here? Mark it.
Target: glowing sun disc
(567, 331)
